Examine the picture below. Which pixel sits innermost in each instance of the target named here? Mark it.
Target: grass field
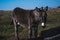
(7, 30)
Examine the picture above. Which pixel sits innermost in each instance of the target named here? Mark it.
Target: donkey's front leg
(16, 30)
(30, 32)
(35, 31)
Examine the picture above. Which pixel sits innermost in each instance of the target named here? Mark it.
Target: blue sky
(27, 4)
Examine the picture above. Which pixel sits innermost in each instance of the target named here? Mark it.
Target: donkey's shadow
(51, 33)
(48, 33)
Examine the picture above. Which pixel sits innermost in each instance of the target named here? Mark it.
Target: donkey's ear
(41, 8)
(36, 8)
(46, 8)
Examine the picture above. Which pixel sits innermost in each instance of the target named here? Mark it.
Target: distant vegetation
(7, 30)
(58, 7)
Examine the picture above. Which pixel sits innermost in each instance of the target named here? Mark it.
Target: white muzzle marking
(43, 24)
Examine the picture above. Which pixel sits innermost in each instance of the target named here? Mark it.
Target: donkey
(27, 18)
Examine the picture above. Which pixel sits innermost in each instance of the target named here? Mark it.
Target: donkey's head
(38, 13)
(44, 16)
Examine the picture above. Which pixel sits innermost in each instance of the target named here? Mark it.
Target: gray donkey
(27, 18)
